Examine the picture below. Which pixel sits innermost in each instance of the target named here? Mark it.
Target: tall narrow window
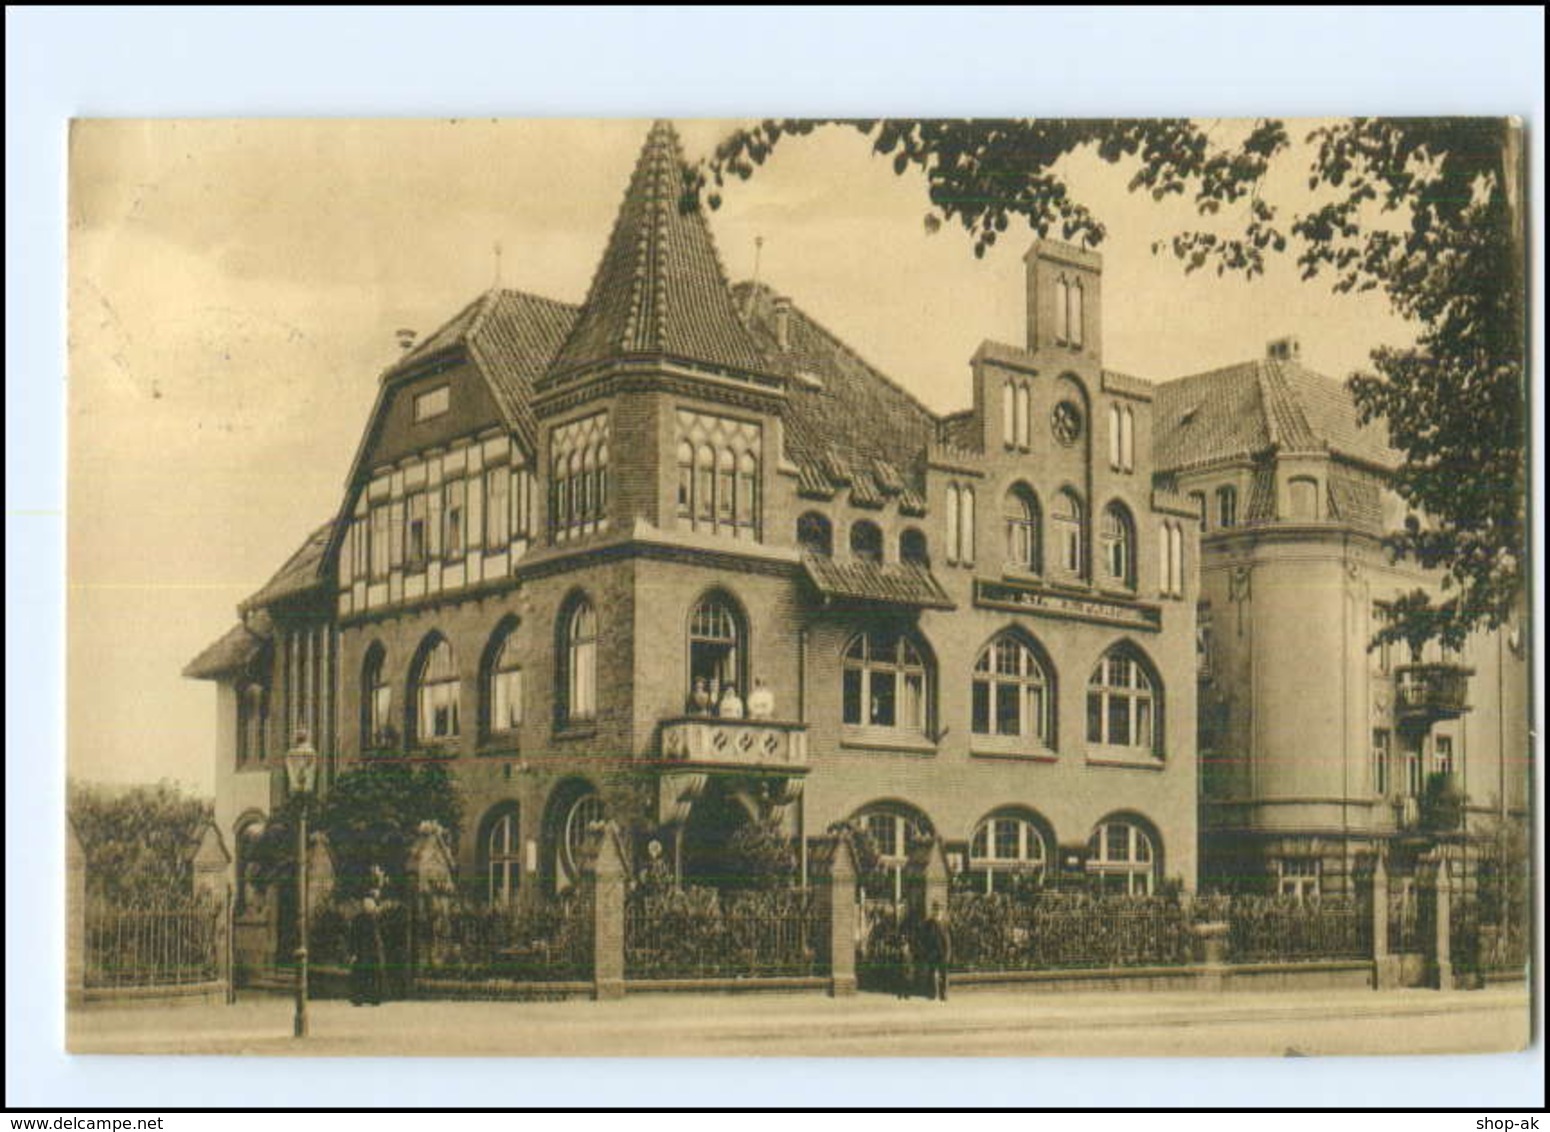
(1303, 495)
(1442, 754)
(1198, 498)
(685, 479)
(1381, 753)
(716, 651)
(1165, 557)
(1227, 507)
(705, 484)
(748, 494)
(1176, 558)
(503, 857)
(253, 726)
(1122, 703)
(815, 535)
(966, 526)
(522, 503)
(1009, 414)
(503, 689)
(1069, 531)
(1127, 440)
(580, 681)
(1119, 540)
(1062, 311)
(497, 508)
(381, 518)
(1011, 691)
(1024, 429)
(1116, 459)
(952, 523)
(866, 542)
(1074, 319)
(416, 537)
(377, 730)
(718, 473)
(1020, 509)
(580, 488)
(437, 694)
(453, 517)
(885, 683)
(726, 489)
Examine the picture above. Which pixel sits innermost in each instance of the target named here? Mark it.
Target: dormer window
(432, 403)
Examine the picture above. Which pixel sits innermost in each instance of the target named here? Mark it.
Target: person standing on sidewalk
(937, 948)
(368, 962)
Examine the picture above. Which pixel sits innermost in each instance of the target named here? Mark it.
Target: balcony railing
(1426, 693)
(736, 742)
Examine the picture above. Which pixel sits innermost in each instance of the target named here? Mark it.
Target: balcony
(1426, 693)
(763, 743)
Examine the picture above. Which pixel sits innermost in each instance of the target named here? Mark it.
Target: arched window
(1123, 703)
(1009, 414)
(377, 730)
(1062, 310)
(885, 683)
(815, 535)
(1074, 318)
(1012, 691)
(1170, 558)
(748, 494)
(503, 683)
(866, 542)
(502, 851)
(1124, 857)
(1119, 545)
(1303, 493)
(1227, 507)
(437, 691)
(1069, 523)
(580, 675)
(253, 724)
(705, 484)
(1006, 845)
(586, 813)
(1198, 498)
(1020, 509)
(913, 549)
(1116, 438)
(1127, 440)
(1023, 429)
(717, 651)
(726, 488)
(685, 479)
(894, 831)
(966, 525)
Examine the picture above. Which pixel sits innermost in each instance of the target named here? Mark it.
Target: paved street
(999, 1023)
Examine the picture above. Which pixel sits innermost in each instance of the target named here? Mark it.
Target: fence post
(935, 877)
(1385, 966)
(607, 877)
(1442, 920)
(211, 864)
(431, 874)
(75, 918)
(836, 893)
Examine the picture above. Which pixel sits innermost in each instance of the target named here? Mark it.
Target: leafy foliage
(760, 856)
(1419, 208)
(696, 932)
(138, 842)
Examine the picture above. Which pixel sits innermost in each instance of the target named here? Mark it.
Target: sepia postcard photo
(799, 587)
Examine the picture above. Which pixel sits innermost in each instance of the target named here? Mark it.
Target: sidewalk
(1001, 1022)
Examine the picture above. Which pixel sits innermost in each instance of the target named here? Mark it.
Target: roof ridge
(1272, 426)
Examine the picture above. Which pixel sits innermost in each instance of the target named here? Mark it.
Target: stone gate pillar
(1442, 920)
(1385, 966)
(607, 875)
(836, 903)
(211, 869)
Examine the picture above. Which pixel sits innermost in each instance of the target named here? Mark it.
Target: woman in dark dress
(368, 961)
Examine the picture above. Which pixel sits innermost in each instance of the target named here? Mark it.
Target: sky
(235, 287)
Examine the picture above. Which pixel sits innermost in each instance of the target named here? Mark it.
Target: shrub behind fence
(1275, 929)
(697, 933)
(1053, 931)
(156, 945)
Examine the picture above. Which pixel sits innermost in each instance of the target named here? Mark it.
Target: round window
(1066, 421)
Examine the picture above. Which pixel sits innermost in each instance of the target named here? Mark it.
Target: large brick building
(1315, 751)
(568, 530)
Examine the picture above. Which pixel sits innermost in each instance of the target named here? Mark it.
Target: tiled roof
(1355, 498)
(961, 431)
(902, 583)
(660, 289)
(845, 421)
(233, 652)
(511, 337)
(300, 573)
(1245, 409)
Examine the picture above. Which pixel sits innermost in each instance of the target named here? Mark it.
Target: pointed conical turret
(660, 290)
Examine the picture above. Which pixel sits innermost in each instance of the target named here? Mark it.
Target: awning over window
(902, 583)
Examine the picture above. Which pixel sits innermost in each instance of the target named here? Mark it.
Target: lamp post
(301, 763)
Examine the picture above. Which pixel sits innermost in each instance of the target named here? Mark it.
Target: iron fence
(462, 939)
(698, 933)
(1482, 943)
(1054, 931)
(153, 946)
(1405, 922)
(1274, 929)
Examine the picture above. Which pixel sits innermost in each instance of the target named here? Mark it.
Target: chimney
(1286, 349)
(782, 323)
(405, 338)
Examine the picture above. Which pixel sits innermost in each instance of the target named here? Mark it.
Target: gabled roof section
(1243, 410)
(233, 652)
(901, 583)
(511, 337)
(302, 572)
(845, 420)
(660, 289)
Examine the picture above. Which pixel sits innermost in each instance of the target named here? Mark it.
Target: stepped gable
(848, 426)
(660, 290)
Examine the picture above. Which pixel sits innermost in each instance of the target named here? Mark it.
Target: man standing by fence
(936, 945)
(367, 959)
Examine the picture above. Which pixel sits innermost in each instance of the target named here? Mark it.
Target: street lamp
(301, 763)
